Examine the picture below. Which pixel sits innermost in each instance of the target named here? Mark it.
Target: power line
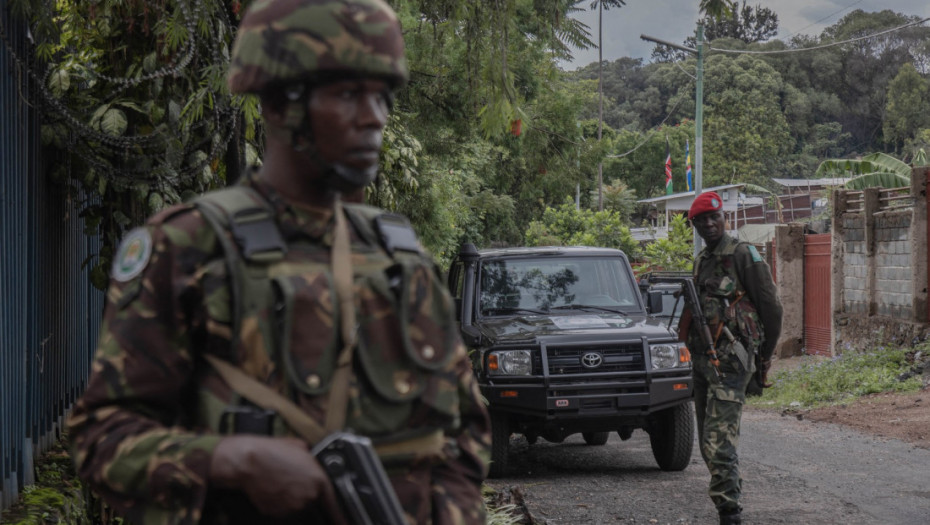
(782, 51)
(789, 35)
(651, 133)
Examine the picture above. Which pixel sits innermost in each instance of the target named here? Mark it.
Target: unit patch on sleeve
(133, 255)
(755, 254)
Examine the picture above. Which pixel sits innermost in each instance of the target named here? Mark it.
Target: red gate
(817, 280)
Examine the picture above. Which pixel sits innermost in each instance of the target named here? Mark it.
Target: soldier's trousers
(718, 404)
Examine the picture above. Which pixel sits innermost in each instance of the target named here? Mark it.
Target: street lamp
(698, 114)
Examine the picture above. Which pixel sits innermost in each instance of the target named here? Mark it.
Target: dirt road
(795, 471)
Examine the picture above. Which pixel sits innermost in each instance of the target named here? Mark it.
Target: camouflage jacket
(145, 428)
(730, 270)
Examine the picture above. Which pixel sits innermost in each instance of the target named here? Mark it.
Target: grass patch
(843, 378)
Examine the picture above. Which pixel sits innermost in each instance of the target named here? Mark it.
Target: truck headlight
(670, 355)
(510, 363)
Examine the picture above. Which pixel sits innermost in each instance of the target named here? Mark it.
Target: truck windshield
(542, 284)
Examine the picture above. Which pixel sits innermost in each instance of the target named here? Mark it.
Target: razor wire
(125, 160)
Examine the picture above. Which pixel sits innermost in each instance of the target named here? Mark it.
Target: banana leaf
(875, 170)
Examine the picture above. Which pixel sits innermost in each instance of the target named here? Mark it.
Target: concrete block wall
(856, 265)
(879, 262)
(894, 290)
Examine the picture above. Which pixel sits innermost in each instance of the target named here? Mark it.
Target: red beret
(704, 203)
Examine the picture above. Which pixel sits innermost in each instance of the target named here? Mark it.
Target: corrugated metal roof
(801, 183)
(689, 193)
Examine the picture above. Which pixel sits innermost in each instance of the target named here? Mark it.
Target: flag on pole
(688, 166)
(668, 168)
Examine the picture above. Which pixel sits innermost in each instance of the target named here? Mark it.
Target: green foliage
(567, 226)
(769, 115)
(748, 24)
(642, 164)
(875, 170)
(674, 253)
(746, 130)
(908, 107)
(825, 382)
(136, 113)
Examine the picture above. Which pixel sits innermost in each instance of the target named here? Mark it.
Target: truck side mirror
(654, 302)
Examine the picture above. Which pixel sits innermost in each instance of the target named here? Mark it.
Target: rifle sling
(260, 394)
(429, 445)
(306, 427)
(342, 275)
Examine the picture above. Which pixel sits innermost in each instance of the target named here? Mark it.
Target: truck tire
(500, 444)
(672, 437)
(595, 438)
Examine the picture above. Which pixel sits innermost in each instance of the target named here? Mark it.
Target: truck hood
(517, 329)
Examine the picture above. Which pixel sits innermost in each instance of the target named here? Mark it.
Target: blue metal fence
(49, 312)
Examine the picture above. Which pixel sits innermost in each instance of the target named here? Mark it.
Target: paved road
(794, 472)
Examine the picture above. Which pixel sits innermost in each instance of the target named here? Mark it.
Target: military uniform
(154, 410)
(738, 298)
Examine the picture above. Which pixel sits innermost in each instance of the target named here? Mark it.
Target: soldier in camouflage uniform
(738, 299)
(245, 276)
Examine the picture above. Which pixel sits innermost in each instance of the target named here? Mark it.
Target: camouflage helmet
(283, 42)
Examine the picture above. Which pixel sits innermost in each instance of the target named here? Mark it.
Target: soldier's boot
(733, 517)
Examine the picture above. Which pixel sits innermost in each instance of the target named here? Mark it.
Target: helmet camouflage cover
(283, 42)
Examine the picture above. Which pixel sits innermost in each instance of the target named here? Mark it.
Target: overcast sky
(675, 20)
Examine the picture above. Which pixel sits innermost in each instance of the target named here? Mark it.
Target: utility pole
(600, 101)
(699, 128)
(698, 114)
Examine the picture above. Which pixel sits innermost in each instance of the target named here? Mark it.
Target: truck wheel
(500, 444)
(672, 437)
(595, 438)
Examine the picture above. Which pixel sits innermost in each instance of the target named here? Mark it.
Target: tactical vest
(268, 296)
(723, 298)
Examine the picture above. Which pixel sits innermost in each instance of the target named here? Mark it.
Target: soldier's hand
(279, 475)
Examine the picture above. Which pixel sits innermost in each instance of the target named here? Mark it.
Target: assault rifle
(696, 314)
(362, 486)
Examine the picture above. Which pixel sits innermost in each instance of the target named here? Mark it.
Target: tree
(747, 24)
(567, 226)
(746, 131)
(137, 111)
(674, 253)
(908, 107)
(600, 4)
(134, 105)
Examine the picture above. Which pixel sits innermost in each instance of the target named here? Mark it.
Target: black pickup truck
(562, 342)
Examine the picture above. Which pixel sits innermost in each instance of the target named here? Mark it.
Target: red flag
(668, 168)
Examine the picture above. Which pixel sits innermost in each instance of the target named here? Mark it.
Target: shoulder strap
(390, 230)
(255, 239)
(250, 220)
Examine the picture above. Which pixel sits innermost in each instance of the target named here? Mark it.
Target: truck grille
(565, 360)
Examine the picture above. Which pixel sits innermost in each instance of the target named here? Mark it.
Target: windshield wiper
(513, 311)
(611, 309)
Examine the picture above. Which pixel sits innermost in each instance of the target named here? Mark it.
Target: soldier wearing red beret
(738, 298)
